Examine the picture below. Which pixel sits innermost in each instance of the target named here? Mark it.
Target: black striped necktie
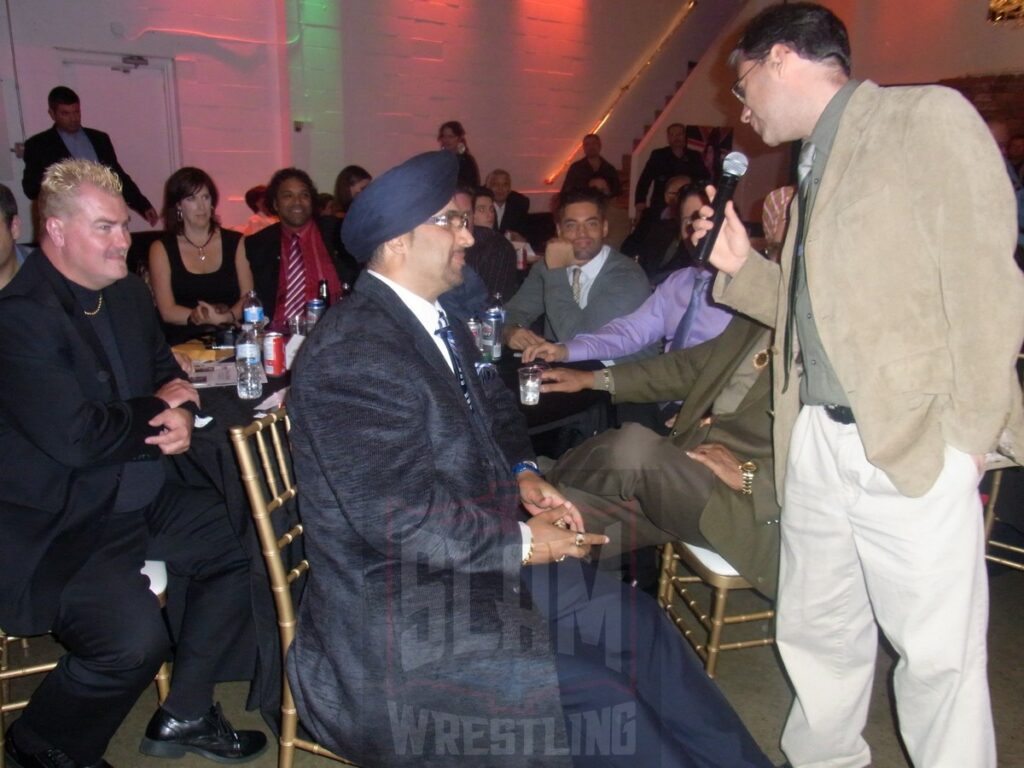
(444, 331)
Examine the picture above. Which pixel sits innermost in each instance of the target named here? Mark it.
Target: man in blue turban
(448, 618)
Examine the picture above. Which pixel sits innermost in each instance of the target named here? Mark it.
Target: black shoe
(50, 758)
(210, 736)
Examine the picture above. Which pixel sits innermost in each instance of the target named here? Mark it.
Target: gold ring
(579, 540)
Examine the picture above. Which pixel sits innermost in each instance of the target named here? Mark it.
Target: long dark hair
(183, 183)
(348, 176)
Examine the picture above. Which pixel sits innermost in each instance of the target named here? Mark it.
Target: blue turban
(398, 201)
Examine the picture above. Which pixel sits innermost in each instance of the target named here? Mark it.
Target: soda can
(273, 354)
(490, 333)
(315, 309)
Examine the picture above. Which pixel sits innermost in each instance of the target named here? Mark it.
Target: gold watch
(748, 469)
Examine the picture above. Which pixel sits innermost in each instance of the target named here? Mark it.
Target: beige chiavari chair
(711, 569)
(264, 464)
(13, 699)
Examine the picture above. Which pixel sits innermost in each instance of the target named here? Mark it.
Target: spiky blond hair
(64, 180)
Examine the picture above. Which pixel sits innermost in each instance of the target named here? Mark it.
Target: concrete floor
(751, 679)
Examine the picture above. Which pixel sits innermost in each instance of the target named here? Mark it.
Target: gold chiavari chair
(711, 569)
(264, 464)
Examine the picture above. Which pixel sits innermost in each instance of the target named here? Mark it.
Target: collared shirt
(589, 273)
(78, 145)
(427, 313)
(653, 321)
(499, 211)
(819, 384)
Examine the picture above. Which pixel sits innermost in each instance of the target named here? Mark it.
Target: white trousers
(856, 551)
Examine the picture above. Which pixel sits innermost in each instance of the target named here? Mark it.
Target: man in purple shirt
(679, 314)
(684, 296)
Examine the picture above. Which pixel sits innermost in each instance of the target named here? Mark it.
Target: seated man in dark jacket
(91, 401)
(290, 258)
(448, 619)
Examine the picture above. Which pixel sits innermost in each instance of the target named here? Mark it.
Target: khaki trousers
(636, 487)
(856, 552)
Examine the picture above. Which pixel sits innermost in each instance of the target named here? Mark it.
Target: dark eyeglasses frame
(737, 87)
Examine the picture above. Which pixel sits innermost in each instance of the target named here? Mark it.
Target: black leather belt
(841, 414)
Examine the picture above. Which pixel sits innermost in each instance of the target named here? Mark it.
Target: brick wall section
(995, 96)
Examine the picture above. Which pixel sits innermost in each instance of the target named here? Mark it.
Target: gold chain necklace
(200, 248)
(95, 311)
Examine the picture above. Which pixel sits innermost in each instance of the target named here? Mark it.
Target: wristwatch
(526, 466)
(748, 469)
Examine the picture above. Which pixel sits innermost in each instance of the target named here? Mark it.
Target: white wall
(527, 78)
(366, 81)
(228, 76)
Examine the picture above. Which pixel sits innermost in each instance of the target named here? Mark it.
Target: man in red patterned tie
(290, 258)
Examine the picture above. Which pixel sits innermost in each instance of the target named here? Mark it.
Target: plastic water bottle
(252, 310)
(247, 361)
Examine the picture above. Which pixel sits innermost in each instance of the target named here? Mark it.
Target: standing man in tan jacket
(898, 316)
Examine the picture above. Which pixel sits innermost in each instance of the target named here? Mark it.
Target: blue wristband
(526, 466)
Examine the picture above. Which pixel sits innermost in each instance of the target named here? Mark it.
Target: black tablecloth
(210, 461)
(557, 409)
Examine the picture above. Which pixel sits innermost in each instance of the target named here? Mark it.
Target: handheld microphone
(733, 168)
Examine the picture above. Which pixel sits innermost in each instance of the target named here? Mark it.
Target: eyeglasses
(737, 88)
(453, 220)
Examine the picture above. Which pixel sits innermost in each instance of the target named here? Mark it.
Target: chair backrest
(265, 468)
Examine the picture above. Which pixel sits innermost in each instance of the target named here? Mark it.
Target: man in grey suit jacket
(580, 284)
(897, 285)
(439, 625)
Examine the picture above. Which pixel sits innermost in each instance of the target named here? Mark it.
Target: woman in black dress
(198, 270)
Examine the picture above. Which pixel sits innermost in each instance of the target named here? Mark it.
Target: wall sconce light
(1006, 11)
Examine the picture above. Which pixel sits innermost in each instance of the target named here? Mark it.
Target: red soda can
(273, 354)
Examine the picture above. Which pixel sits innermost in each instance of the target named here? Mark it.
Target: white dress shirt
(588, 273)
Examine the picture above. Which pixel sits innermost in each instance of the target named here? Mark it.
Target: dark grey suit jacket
(517, 206)
(46, 148)
(413, 607)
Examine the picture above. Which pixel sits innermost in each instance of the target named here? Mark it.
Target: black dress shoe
(210, 736)
(50, 758)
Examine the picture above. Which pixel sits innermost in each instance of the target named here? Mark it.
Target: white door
(132, 99)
